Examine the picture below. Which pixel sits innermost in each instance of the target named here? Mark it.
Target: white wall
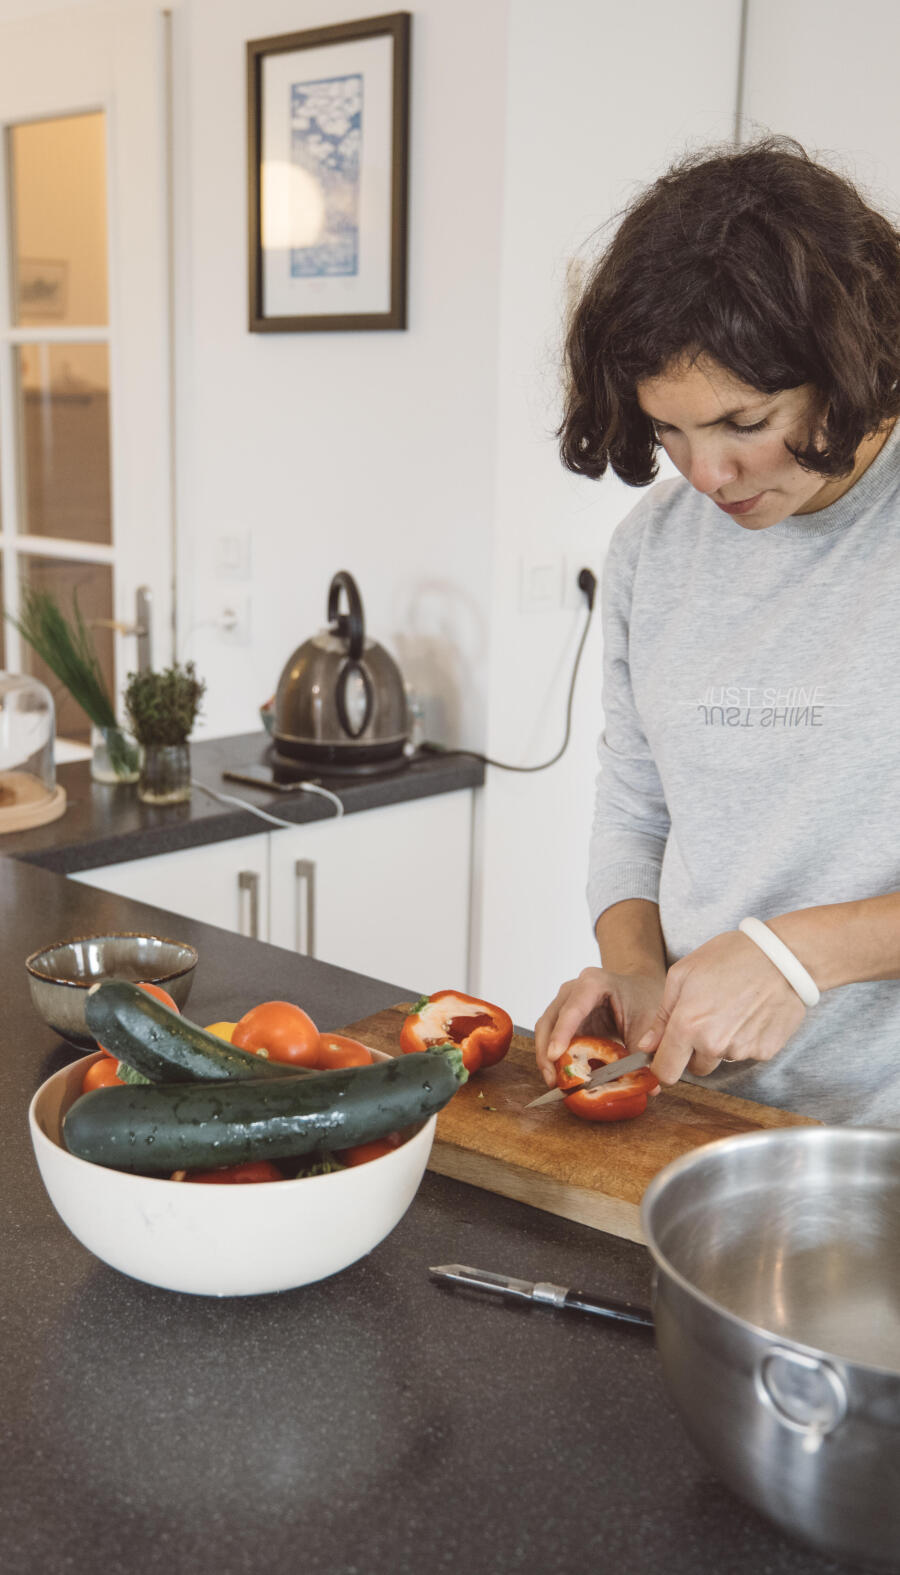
(826, 73)
(373, 452)
(599, 103)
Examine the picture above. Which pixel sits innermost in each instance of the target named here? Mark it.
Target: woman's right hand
(617, 1005)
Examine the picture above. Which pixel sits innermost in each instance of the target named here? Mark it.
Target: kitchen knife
(543, 1292)
(603, 1074)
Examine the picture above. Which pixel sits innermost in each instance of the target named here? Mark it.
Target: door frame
(81, 59)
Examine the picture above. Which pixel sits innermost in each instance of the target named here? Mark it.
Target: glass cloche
(29, 795)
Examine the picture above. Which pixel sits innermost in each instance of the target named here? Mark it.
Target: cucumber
(163, 1045)
(146, 1128)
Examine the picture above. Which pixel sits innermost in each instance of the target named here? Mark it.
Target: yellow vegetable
(224, 1030)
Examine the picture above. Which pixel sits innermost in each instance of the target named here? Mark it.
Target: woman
(746, 319)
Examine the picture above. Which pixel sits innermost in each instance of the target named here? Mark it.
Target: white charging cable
(302, 787)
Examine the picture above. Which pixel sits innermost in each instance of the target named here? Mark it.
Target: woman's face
(728, 440)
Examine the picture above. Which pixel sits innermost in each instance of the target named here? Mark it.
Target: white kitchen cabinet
(384, 892)
(223, 883)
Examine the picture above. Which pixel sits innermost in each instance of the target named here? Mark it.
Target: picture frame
(328, 172)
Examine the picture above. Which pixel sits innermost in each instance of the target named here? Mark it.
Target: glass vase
(115, 755)
(165, 774)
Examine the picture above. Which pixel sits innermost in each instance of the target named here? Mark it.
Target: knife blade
(603, 1074)
(543, 1292)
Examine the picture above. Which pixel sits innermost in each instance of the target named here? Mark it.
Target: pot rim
(808, 1136)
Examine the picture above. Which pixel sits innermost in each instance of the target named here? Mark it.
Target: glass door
(85, 451)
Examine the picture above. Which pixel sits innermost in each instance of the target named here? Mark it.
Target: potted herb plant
(162, 709)
(65, 645)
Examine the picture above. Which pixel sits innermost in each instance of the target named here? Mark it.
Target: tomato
(336, 1050)
(224, 1030)
(363, 1152)
(102, 1074)
(161, 995)
(621, 1100)
(284, 1031)
(250, 1170)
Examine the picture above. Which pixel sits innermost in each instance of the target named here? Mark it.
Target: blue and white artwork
(326, 142)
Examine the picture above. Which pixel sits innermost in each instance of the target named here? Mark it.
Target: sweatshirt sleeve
(631, 820)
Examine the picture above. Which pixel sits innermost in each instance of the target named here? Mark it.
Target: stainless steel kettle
(341, 700)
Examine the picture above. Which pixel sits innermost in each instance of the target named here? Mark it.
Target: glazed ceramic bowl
(221, 1241)
(59, 976)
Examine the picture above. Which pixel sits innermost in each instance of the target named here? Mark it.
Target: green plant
(163, 707)
(67, 649)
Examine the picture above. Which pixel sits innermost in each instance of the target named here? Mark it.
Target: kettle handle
(350, 624)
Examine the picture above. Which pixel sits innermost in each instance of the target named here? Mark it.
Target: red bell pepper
(617, 1101)
(482, 1032)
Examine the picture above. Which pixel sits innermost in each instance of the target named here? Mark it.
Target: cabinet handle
(248, 881)
(305, 873)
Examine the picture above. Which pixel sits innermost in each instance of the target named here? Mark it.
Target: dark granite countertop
(107, 825)
(373, 1424)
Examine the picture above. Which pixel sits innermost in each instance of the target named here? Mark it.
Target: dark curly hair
(761, 259)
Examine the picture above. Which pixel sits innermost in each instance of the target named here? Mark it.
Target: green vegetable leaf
(129, 1075)
(322, 1167)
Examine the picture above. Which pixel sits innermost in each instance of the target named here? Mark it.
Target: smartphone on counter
(263, 777)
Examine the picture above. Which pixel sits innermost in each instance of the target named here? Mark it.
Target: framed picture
(328, 113)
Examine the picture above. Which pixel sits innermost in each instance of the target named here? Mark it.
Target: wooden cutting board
(595, 1174)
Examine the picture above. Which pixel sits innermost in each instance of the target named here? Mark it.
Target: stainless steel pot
(777, 1309)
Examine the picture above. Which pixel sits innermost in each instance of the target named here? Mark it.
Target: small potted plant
(162, 709)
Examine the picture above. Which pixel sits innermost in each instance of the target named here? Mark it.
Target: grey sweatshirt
(750, 759)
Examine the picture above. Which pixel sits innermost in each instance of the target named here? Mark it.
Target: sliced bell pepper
(483, 1032)
(617, 1101)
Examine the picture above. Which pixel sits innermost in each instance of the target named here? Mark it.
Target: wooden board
(595, 1174)
(26, 801)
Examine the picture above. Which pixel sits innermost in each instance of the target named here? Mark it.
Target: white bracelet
(784, 959)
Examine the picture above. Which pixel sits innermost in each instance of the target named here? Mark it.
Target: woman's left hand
(723, 1002)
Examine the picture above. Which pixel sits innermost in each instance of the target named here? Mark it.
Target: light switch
(540, 584)
(232, 555)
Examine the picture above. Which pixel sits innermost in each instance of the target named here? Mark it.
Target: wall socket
(232, 619)
(573, 596)
(550, 584)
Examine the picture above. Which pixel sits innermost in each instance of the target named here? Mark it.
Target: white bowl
(221, 1241)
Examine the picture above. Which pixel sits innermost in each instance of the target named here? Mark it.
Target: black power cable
(587, 582)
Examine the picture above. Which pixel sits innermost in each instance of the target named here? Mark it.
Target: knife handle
(606, 1307)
